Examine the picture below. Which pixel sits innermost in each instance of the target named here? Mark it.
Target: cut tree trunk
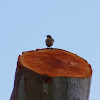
(51, 74)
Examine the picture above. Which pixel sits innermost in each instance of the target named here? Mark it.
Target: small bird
(49, 41)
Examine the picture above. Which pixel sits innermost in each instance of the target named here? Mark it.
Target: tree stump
(51, 74)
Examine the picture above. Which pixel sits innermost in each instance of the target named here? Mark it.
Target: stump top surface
(55, 63)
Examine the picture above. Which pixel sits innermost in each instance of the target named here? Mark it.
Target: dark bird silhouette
(49, 41)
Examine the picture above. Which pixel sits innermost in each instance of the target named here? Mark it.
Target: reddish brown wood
(55, 62)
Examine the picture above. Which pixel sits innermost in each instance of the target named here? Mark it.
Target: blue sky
(74, 25)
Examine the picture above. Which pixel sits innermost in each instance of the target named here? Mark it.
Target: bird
(49, 41)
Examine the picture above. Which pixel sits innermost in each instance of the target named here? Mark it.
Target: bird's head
(48, 36)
